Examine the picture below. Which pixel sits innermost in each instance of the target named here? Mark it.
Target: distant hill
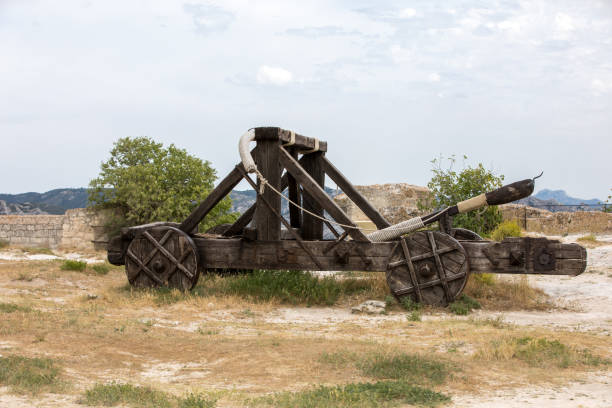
(59, 200)
(558, 200)
(52, 202)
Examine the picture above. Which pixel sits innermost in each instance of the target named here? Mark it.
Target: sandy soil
(206, 343)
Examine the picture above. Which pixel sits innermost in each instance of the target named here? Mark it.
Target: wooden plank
(312, 227)
(295, 213)
(224, 188)
(314, 189)
(355, 196)
(246, 217)
(266, 222)
(413, 277)
(301, 142)
(287, 254)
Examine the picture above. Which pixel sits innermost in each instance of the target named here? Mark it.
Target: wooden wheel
(162, 256)
(428, 266)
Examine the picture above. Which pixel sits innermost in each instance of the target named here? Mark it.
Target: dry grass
(591, 241)
(495, 292)
(217, 343)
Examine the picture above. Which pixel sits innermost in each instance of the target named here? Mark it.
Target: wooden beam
(266, 222)
(295, 213)
(301, 142)
(247, 216)
(314, 189)
(355, 196)
(312, 227)
(224, 188)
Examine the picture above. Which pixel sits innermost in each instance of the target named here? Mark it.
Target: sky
(520, 86)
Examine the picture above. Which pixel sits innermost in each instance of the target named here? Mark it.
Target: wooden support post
(295, 213)
(355, 196)
(312, 227)
(267, 223)
(224, 188)
(313, 188)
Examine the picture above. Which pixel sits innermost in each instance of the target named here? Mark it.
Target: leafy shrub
(506, 229)
(143, 181)
(449, 187)
(3, 243)
(70, 265)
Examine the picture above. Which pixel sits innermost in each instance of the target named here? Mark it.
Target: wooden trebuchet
(431, 267)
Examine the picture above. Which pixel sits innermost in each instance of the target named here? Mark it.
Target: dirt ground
(100, 331)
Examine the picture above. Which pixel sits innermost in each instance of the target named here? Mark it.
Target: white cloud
(433, 77)
(600, 86)
(564, 22)
(273, 75)
(407, 13)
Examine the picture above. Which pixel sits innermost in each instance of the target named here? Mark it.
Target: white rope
(316, 148)
(292, 141)
(263, 182)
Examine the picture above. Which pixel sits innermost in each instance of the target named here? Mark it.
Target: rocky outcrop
(558, 223)
(396, 202)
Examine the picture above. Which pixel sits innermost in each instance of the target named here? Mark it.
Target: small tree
(143, 182)
(448, 187)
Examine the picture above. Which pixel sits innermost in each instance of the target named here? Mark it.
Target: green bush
(3, 243)
(70, 265)
(506, 229)
(449, 187)
(143, 181)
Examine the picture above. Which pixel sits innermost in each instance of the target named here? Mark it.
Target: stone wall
(77, 229)
(558, 223)
(32, 230)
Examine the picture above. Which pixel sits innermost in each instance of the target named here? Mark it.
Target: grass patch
(506, 229)
(3, 243)
(539, 352)
(464, 305)
(113, 394)
(588, 238)
(507, 293)
(70, 265)
(101, 269)
(359, 395)
(292, 287)
(413, 368)
(410, 305)
(39, 250)
(29, 375)
(11, 308)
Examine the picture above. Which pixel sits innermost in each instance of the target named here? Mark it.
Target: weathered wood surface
(287, 254)
(162, 257)
(224, 188)
(312, 227)
(295, 213)
(355, 196)
(244, 254)
(266, 221)
(519, 256)
(301, 142)
(429, 266)
(314, 189)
